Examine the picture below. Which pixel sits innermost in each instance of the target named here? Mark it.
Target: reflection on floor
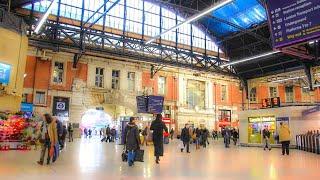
(91, 160)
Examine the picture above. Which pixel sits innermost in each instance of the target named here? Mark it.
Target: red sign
(166, 120)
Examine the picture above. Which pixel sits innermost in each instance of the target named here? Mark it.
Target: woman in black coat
(158, 127)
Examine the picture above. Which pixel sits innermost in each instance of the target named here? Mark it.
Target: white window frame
(35, 97)
(276, 88)
(100, 76)
(293, 94)
(160, 83)
(226, 95)
(64, 72)
(131, 77)
(114, 79)
(255, 95)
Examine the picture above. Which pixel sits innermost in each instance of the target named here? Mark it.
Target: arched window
(253, 95)
(72, 9)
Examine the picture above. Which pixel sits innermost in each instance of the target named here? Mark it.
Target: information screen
(293, 21)
(155, 104)
(142, 104)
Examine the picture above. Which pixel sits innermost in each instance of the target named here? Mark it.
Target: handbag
(139, 155)
(124, 154)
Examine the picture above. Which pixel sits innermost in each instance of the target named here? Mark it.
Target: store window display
(256, 126)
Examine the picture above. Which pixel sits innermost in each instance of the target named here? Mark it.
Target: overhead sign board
(5, 71)
(150, 104)
(293, 21)
(142, 104)
(155, 104)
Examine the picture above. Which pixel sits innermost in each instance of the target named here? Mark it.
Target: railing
(11, 21)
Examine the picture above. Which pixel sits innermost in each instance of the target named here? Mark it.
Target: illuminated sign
(293, 21)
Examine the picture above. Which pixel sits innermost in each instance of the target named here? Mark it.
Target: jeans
(131, 156)
(45, 147)
(266, 143)
(285, 147)
(186, 144)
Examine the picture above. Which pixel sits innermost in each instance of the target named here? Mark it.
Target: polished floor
(93, 160)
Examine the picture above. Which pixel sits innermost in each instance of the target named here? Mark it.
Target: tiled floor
(91, 160)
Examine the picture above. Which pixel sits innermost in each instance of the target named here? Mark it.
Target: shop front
(257, 124)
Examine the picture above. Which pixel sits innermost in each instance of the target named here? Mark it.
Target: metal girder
(104, 13)
(243, 30)
(108, 43)
(95, 12)
(307, 71)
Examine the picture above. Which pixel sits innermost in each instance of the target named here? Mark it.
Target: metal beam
(307, 71)
(105, 13)
(95, 12)
(134, 49)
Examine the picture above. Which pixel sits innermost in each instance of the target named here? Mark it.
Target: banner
(60, 107)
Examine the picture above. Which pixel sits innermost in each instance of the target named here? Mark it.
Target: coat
(132, 137)
(157, 136)
(185, 135)
(52, 132)
(284, 133)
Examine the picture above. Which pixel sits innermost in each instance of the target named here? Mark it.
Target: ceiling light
(249, 58)
(286, 79)
(45, 16)
(191, 19)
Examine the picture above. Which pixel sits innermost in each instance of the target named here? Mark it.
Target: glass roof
(244, 13)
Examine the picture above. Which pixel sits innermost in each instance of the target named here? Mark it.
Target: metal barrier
(309, 142)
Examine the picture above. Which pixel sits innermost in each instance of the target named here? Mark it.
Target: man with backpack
(131, 140)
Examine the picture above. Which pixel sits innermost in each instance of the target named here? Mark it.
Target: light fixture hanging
(44, 17)
(249, 58)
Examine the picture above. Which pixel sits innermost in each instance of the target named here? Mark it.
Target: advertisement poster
(60, 107)
(5, 71)
(293, 21)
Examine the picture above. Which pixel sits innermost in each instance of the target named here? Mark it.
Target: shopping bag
(139, 155)
(124, 156)
(166, 140)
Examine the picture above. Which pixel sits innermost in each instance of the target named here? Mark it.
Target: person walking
(171, 133)
(284, 138)
(185, 138)
(64, 135)
(70, 132)
(197, 134)
(235, 136)
(145, 135)
(204, 137)
(131, 140)
(227, 136)
(266, 138)
(49, 137)
(85, 131)
(158, 126)
(108, 134)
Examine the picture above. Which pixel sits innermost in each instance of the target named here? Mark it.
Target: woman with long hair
(158, 127)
